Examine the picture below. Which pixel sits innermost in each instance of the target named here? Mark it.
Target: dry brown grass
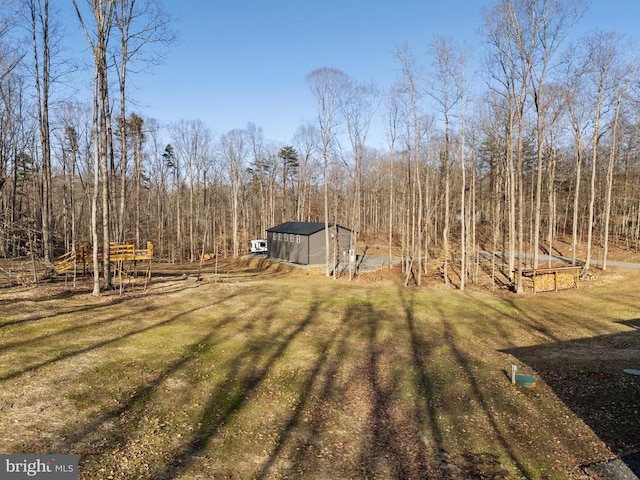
(258, 370)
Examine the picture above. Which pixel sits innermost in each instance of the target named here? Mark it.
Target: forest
(539, 146)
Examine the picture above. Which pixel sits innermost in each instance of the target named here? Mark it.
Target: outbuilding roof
(300, 228)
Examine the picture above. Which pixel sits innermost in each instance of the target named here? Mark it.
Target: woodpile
(550, 282)
(552, 279)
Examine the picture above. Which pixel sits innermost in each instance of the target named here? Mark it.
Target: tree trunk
(607, 205)
(41, 12)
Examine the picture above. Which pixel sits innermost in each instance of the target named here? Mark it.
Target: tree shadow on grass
(77, 327)
(588, 376)
(444, 379)
(483, 463)
(424, 406)
(245, 374)
(49, 314)
(350, 357)
(353, 373)
(394, 442)
(74, 351)
(322, 376)
(140, 396)
(112, 428)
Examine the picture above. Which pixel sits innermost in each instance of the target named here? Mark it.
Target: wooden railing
(118, 253)
(71, 261)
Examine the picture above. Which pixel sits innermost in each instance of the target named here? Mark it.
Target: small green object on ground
(525, 381)
(631, 371)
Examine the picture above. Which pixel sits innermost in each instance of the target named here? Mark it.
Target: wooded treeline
(540, 144)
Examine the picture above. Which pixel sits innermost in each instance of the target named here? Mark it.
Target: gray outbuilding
(304, 242)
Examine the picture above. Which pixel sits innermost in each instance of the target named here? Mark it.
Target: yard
(262, 371)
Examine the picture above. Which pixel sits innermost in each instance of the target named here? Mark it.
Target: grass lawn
(267, 373)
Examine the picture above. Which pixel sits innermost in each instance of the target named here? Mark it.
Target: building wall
(316, 248)
(302, 254)
(289, 247)
(317, 245)
(308, 249)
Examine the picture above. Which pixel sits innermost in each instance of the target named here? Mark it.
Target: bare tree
(609, 180)
(136, 133)
(102, 12)
(461, 93)
(306, 139)
(192, 143)
(393, 108)
(510, 69)
(70, 152)
(577, 109)
(620, 82)
(358, 103)
(10, 57)
(41, 42)
(75, 143)
(156, 173)
(410, 94)
(235, 148)
(445, 91)
(141, 24)
(554, 112)
(326, 85)
(539, 28)
(601, 54)
(263, 172)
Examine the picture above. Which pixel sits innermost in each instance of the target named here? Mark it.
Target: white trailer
(259, 246)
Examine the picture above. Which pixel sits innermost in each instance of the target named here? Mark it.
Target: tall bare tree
(326, 85)
(601, 54)
(358, 103)
(41, 42)
(142, 25)
(263, 173)
(410, 93)
(510, 69)
(609, 179)
(393, 108)
(235, 149)
(192, 143)
(137, 135)
(445, 91)
(461, 93)
(306, 140)
(577, 108)
(102, 12)
(539, 28)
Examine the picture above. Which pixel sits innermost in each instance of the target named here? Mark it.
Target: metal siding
(299, 250)
(344, 241)
(316, 248)
(289, 251)
(276, 248)
(311, 249)
(304, 250)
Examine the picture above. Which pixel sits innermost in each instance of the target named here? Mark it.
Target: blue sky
(240, 61)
